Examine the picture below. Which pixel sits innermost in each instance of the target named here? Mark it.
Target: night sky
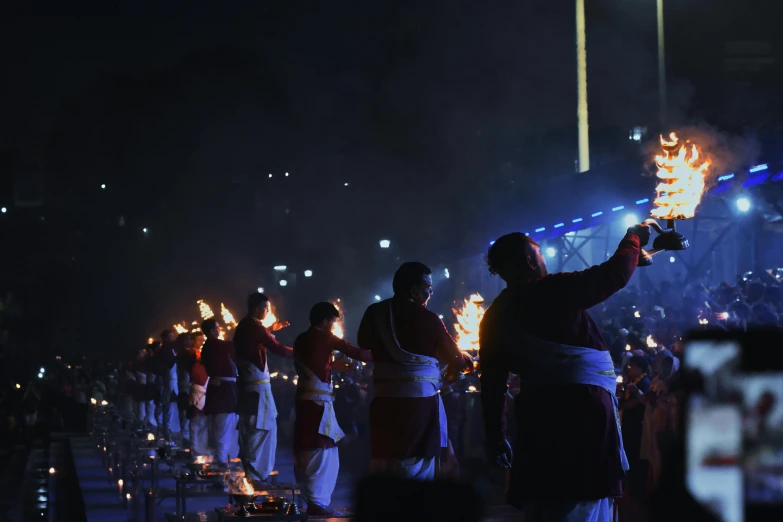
(427, 123)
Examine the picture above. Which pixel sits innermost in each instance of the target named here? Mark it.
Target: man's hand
(279, 325)
(502, 456)
(468, 360)
(642, 232)
(342, 365)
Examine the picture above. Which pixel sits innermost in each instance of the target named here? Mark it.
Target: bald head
(516, 258)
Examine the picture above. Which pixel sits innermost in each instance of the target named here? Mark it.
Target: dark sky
(441, 116)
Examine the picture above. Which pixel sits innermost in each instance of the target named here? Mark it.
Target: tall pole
(661, 67)
(581, 79)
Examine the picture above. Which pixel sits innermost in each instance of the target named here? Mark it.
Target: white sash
(254, 380)
(198, 395)
(170, 382)
(311, 388)
(412, 375)
(141, 378)
(555, 364)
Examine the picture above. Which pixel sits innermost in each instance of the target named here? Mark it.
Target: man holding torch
(408, 430)
(569, 461)
(257, 410)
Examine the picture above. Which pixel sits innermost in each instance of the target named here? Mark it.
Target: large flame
(338, 328)
(682, 172)
(468, 320)
(270, 318)
(206, 311)
(247, 487)
(228, 318)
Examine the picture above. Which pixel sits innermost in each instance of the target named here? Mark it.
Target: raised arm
(448, 352)
(596, 284)
(354, 352)
(273, 345)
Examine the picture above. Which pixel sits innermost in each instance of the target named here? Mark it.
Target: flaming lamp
(681, 172)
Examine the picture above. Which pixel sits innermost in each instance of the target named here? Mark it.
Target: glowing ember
(703, 321)
(150, 340)
(206, 311)
(150, 436)
(270, 318)
(338, 329)
(651, 342)
(228, 318)
(682, 173)
(468, 320)
(180, 329)
(619, 379)
(627, 347)
(201, 459)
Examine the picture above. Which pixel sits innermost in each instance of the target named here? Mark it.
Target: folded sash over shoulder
(411, 375)
(198, 395)
(311, 388)
(545, 363)
(253, 380)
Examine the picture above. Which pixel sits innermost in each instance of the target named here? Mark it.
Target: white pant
(257, 447)
(152, 414)
(412, 468)
(224, 430)
(140, 410)
(587, 511)
(316, 473)
(170, 416)
(199, 435)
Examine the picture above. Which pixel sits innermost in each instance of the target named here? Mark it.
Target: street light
(283, 282)
(3, 210)
(260, 289)
(743, 204)
(377, 298)
(446, 273)
(103, 186)
(280, 268)
(385, 243)
(144, 230)
(631, 220)
(308, 273)
(551, 252)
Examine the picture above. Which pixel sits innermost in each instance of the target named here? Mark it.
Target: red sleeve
(354, 352)
(273, 345)
(595, 285)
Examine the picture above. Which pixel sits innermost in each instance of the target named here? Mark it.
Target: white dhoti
(170, 414)
(316, 469)
(199, 435)
(224, 429)
(140, 410)
(184, 424)
(257, 432)
(257, 447)
(411, 375)
(316, 474)
(412, 468)
(586, 511)
(183, 391)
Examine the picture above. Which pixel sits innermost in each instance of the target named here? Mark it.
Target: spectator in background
(637, 384)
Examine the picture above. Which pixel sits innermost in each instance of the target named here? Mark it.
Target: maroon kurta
(567, 445)
(252, 340)
(314, 349)
(218, 359)
(402, 428)
(185, 361)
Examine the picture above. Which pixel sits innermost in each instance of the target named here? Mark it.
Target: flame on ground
(468, 320)
(682, 173)
(651, 342)
(338, 328)
(247, 488)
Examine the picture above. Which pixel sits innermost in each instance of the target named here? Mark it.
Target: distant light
(631, 220)
(377, 298)
(18, 386)
(560, 225)
(93, 401)
(308, 273)
(671, 259)
(758, 168)
(637, 314)
(104, 403)
(551, 252)
(144, 230)
(725, 177)
(260, 289)
(283, 282)
(493, 242)
(743, 204)
(286, 174)
(385, 243)
(51, 471)
(597, 214)
(642, 201)
(346, 184)
(440, 315)
(270, 175)
(540, 229)
(280, 268)
(103, 186)
(636, 134)
(615, 209)
(3, 210)
(446, 273)
(40, 376)
(42, 370)
(577, 220)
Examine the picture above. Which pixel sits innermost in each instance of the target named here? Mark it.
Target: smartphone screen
(714, 428)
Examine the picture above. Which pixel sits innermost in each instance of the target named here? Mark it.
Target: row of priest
(537, 328)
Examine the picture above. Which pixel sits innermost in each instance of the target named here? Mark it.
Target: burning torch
(682, 174)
